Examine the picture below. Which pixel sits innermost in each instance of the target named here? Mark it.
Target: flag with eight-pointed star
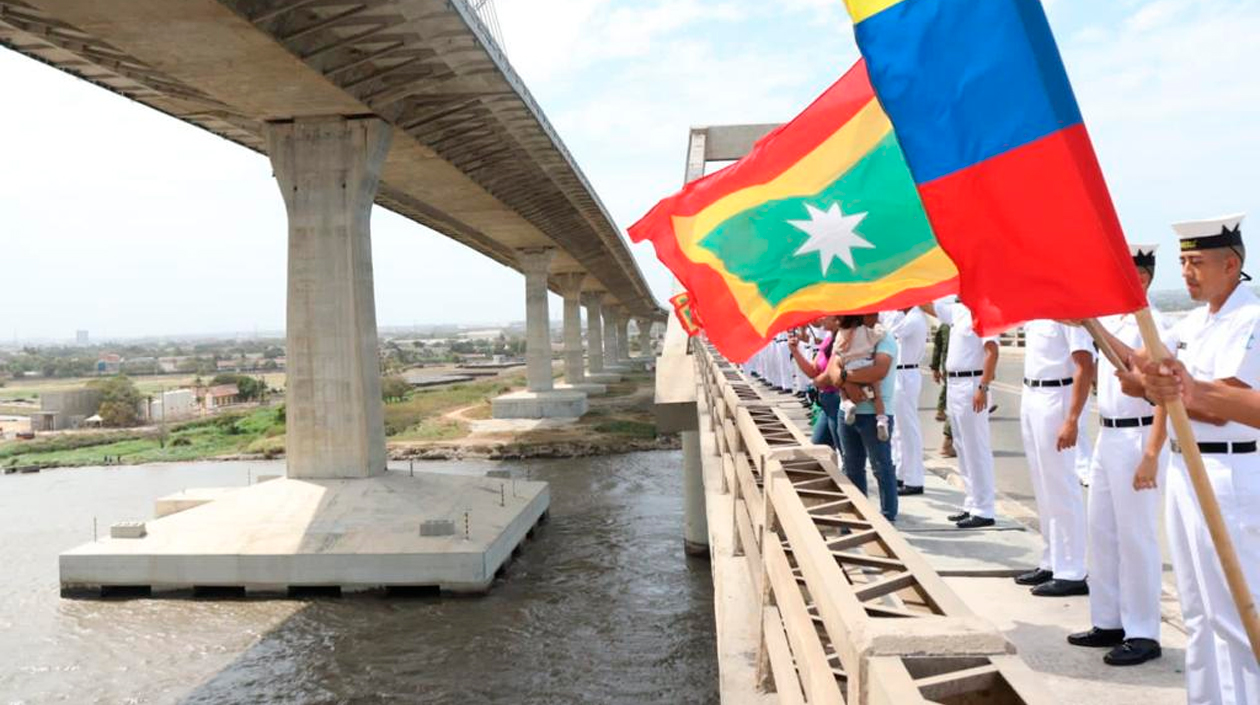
(821, 217)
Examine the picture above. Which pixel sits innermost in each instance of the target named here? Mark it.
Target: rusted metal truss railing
(850, 611)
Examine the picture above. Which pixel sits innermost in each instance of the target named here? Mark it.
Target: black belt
(1236, 448)
(971, 373)
(907, 367)
(1035, 383)
(1128, 423)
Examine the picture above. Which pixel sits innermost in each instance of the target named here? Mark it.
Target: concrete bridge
(404, 103)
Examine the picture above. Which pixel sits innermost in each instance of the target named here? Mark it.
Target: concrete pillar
(645, 337)
(594, 302)
(695, 519)
(610, 335)
(328, 169)
(623, 335)
(535, 264)
(571, 289)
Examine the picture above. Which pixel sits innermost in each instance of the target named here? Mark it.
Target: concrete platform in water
(352, 535)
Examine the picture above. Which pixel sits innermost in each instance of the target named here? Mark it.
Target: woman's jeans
(825, 432)
(857, 443)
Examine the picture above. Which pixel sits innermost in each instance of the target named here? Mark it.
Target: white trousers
(1084, 449)
(1060, 506)
(1125, 567)
(1220, 668)
(973, 444)
(907, 445)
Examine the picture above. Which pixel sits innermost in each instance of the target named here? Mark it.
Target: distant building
(109, 364)
(67, 408)
(174, 405)
(220, 396)
(81, 337)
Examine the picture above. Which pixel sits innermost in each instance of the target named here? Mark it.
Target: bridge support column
(328, 169)
(541, 399)
(594, 302)
(612, 360)
(645, 337)
(536, 264)
(575, 378)
(623, 336)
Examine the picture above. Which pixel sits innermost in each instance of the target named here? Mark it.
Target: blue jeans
(857, 443)
(825, 433)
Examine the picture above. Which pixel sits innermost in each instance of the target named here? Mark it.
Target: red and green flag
(983, 108)
(686, 313)
(821, 217)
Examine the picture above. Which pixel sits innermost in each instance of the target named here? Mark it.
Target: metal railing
(849, 611)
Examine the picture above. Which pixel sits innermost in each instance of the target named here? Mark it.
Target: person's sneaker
(975, 522)
(907, 490)
(1061, 588)
(1036, 576)
(881, 428)
(1132, 652)
(959, 516)
(850, 412)
(1097, 637)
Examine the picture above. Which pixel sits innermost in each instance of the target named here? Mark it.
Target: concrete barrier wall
(849, 611)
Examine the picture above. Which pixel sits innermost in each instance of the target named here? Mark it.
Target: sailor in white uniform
(1058, 374)
(1219, 342)
(910, 328)
(970, 367)
(1125, 566)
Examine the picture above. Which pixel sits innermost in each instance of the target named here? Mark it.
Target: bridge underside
(472, 156)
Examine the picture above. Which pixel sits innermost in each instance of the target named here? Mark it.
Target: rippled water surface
(602, 606)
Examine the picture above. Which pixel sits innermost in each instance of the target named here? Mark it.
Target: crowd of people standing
(866, 375)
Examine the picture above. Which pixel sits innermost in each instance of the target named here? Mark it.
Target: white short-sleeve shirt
(911, 331)
(966, 349)
(1219, 346)
(1112, 402)
(1048, 349)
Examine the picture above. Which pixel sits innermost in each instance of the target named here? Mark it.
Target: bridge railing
(850, 611)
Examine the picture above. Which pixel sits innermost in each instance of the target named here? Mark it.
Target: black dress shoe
(901, 483)
(959, 516)
(1132, 652)
(1061, 588)
(975, 522)
(1034, 577)
(1097, 637)
(906, 490)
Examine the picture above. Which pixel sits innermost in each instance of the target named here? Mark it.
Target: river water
(601, 607)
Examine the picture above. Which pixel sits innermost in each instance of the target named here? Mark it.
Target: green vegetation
(251, 388)
(433, 429)
(260, 431)
(120, 401)
(394, 388)
(427, 404)
(627, 427)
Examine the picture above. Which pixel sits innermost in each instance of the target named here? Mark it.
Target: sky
(120, 220)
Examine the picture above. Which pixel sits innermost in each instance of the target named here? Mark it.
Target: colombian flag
(821, 217)
(982, 106)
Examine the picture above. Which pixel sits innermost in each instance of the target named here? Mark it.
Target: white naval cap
(1210, 234)
(1143, 255)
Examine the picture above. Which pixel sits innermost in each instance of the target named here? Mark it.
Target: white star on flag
(832, 234)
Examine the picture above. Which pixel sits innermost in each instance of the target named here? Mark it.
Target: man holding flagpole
(1218, 343)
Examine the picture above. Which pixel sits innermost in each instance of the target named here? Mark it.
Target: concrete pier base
(603, 377)
(358, 534)
(590, 389)
(554, 404)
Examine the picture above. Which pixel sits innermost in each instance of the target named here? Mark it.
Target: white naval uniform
(1220, 667)
(1125, 566)
(1084, 449)
(972, 440)
(1056, 486)
(911, 332)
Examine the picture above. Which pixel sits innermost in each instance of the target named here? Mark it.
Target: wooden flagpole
(1096, 332)
(1203, 490)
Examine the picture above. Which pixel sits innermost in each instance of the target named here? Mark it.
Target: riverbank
(450, 422)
